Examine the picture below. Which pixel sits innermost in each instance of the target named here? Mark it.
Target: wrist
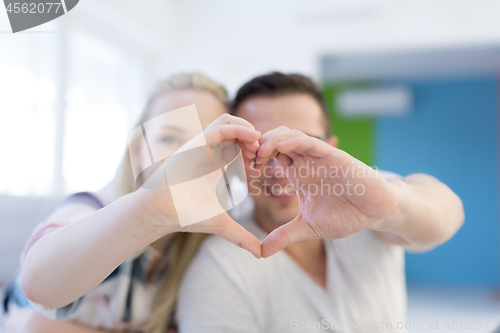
(148, 216)
(396, 211)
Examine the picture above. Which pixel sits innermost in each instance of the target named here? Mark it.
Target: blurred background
(413, 86)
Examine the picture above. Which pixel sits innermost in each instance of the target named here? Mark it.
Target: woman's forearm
(52, 326)
(71, 261)
(67, 327)
(27, 320)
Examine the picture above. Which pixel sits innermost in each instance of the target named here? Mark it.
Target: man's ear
(333, 141)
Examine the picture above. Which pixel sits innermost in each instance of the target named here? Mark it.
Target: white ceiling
(235, 40)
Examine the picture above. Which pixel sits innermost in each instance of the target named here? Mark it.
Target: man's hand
(339, 195)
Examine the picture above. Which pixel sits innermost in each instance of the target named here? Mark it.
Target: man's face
(275, 202)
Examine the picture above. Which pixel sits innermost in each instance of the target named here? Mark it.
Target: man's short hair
(278, 84)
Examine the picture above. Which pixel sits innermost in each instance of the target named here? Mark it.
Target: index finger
(268, 147)
(227, 119)
(236, 234)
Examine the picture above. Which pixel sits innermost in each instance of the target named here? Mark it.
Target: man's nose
(274, 169)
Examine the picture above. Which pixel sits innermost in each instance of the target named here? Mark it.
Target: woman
(114, 259)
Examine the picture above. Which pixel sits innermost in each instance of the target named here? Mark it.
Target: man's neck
(309, 254)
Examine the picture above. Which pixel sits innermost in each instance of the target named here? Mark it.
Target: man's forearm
(428, 213)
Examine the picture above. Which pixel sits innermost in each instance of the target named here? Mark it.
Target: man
(343, 228)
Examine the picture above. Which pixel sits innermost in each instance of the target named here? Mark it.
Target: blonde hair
(185, 245)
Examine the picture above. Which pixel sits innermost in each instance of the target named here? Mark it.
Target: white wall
(234, 40)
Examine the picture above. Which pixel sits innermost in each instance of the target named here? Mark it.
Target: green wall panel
(356, 135)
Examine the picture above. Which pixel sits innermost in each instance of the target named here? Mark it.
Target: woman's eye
(169, 140)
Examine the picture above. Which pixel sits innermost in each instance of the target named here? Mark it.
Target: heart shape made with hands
(183, 190)
(338, 194)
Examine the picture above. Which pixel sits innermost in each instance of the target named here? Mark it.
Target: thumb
(284, 160)
(294, 231)
(238, 235)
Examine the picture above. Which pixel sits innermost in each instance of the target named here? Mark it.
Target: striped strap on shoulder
(87, 198)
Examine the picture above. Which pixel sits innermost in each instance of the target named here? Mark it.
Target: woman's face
(168, 136)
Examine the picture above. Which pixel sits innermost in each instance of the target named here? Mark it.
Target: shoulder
(216, 253)
(366, 240)
(366, 248)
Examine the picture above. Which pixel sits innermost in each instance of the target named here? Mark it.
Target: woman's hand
(182, 191)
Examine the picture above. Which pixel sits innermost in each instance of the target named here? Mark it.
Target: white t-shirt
(226, 289)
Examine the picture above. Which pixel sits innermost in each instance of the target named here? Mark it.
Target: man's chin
(271, 217)
(278, 221)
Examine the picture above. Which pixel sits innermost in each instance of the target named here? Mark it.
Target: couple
(118, 259)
